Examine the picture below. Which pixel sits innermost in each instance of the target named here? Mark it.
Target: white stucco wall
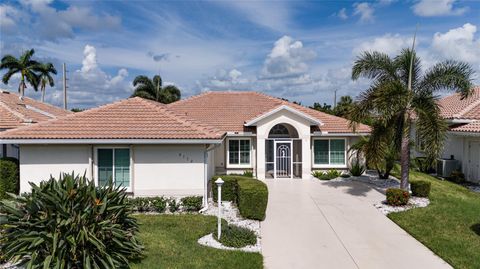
(302, 126)
(171, 170)
(38, 162)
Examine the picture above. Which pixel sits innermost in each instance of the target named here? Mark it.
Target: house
(463, 137)
(156, 149)
(16, 112)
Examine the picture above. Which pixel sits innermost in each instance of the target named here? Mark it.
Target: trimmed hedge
(252, 198)
(229, 188)
(420, 188)
(192, 203)
(236, 237)
(397, 197)
(9, 177)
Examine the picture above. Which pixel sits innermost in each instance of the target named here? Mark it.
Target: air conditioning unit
(445, 167)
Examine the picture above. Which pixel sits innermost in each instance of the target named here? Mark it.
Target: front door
(283, 159)
(474, 161)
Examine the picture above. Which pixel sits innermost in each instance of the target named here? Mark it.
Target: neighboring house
(463, 138)
(156, 149)
(15, 112)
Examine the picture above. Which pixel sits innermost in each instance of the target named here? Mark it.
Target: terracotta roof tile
(15, 112)
(453, 107)
(228, 111)
(133, 118)
(473, 127)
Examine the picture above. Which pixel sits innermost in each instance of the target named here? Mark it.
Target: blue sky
(300, 50)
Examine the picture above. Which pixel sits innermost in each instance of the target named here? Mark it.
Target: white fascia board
(110, 141)
(284, 107)
(249, 134)
(460, 121)
(318, 134)
(464, 133)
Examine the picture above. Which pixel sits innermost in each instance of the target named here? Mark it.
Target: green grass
(449, 226)
(171, 242)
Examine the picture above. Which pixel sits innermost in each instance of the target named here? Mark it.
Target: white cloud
(429, 8)
(7, 16)
(89, 59)
(53, 24)
(275, 15)
(342, 14)
(388, 43)
(287, 58)
(365, 11)
(459, 44)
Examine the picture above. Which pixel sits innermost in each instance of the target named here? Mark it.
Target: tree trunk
(405, 158)
(43, 94)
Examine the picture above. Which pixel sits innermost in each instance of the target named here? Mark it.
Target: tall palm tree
(400, 93)
(25, 66)
(44, 75)
(152, 89)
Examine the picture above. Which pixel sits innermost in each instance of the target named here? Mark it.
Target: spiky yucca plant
(70, 223)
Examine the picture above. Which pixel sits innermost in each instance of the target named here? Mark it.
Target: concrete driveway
(315, 224)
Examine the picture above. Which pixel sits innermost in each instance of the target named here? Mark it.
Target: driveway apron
(315, 224)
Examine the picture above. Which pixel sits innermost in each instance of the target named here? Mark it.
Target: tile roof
(228, 111)
(133, 118)
(16, 112)
(473, 127)
(453, 107)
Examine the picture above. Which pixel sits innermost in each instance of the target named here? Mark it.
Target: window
(114, 165)
(329, 151)
(239, 151)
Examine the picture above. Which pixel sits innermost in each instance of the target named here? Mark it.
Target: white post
(219, 183)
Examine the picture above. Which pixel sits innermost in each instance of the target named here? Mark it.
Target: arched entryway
(283, 152)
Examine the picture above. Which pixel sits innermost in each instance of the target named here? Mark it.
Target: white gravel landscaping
(371, 178)
(232, 216)
(413, 202)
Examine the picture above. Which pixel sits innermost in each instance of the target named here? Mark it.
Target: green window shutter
(233, 149)
(320, 151)
(337, 151)
(122, 168)
(244, 151)
(105, 166)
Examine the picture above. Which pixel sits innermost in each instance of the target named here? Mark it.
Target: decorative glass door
(283, 159)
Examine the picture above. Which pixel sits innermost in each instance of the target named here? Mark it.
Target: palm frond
(26, 56)
(402, 63)
(140, 92)
(169, 94)
(6, 77)
(451, 75)
(373, 65)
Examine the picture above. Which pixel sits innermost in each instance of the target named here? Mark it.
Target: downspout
(209, 148)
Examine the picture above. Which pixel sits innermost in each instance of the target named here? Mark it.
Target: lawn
(171, 242)
(449, 226)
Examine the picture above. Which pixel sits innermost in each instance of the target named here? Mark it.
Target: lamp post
(219, 183)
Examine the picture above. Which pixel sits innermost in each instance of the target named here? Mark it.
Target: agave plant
(70, 223)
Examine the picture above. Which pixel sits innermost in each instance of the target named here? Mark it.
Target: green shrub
(159, 204)
(423, 164)
(236, 237)
(330, 174)
(192, 203)
(173, 205)
(252, 198)
(70, 223)
(141, 204)
(397, 197)
(9, 177)
(420, 188)
(357, 169)
(457, 177)
(248, 174)
(229, 187)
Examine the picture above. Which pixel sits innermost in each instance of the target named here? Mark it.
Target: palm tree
(401, 93)
(44, 72)
(23, 65)
(153, 90)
